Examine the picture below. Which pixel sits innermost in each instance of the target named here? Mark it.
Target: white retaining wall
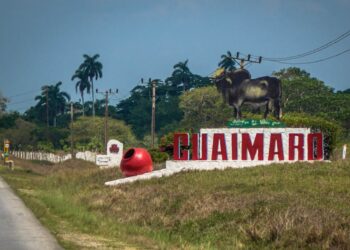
(42, 156)
(86, 156)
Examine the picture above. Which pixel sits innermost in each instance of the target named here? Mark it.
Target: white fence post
(344, 152)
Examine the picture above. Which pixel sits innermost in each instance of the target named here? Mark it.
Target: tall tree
(93, 70)
(227, 62)
(183, 79)
(181, 76)
(203, 107)
(297, 85)
(82, 84)
(3, 102)
(307, 94)
(53, 100)
(89, 133)
(136, 109)
(347, 91)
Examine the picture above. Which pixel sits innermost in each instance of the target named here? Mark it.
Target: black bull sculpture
(238, 88)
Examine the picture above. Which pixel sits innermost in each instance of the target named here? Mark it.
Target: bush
(45, 146)
(330, 130)
(51, 136)
(157, 156)
(22, 135)
(88, 133)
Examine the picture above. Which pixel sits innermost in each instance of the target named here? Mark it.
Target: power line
(27, 92)
(20, 108)
(313, 51)
(316, 61)
(24, 93)
(24, 101)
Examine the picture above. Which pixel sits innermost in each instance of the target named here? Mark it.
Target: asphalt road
(19, 229)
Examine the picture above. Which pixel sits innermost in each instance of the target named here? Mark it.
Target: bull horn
(229, 80)
(264, 82)
(218, 72)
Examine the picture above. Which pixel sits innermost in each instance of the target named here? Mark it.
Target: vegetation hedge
(158, 156)
(330, 129)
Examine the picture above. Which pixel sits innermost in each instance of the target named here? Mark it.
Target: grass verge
(280, 206)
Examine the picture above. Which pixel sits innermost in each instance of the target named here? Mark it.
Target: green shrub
(45, 146)
(330, 129)
(167, 139)
(157, 156)
(88, 133)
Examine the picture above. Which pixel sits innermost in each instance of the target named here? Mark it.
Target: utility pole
(153, 123)
(106, 94)
(106, 120)
(47, 105)
(71, 129)
(247, 59)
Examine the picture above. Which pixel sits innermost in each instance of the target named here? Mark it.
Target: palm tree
(227, 62)
(53, 100)
(82, 84)
(3, 101)
(93, 70)
(181, 75)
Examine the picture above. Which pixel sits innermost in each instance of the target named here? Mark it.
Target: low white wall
(86, 156)
(42, 156)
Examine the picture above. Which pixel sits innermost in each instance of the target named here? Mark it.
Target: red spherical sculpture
(136, 161)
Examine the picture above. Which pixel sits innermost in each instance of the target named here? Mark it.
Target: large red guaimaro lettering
(242, 146)
(253, 148)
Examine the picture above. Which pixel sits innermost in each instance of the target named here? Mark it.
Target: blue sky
(42, 42)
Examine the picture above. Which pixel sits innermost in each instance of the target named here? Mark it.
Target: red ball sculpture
(136, 161)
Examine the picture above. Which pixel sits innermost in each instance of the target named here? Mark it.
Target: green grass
(280, 206)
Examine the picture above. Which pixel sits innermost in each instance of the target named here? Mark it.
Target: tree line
(185, 101)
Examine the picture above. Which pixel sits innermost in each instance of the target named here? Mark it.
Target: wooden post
(241, 64)
(106, 122)
(71, 129)
(153, 122)
(106, 94)
(47, 105)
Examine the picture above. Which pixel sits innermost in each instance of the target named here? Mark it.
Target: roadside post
(344, 152)
(6, 154)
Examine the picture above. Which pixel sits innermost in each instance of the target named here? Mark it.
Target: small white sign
(102, 160)
(114, 155)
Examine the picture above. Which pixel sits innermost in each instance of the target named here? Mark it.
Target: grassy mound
(280, 206)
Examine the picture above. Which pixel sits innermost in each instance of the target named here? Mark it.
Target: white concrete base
(147, 176)
(173, 167)
(211, 165)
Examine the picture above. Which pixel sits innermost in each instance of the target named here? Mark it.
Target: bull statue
(238, 88)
